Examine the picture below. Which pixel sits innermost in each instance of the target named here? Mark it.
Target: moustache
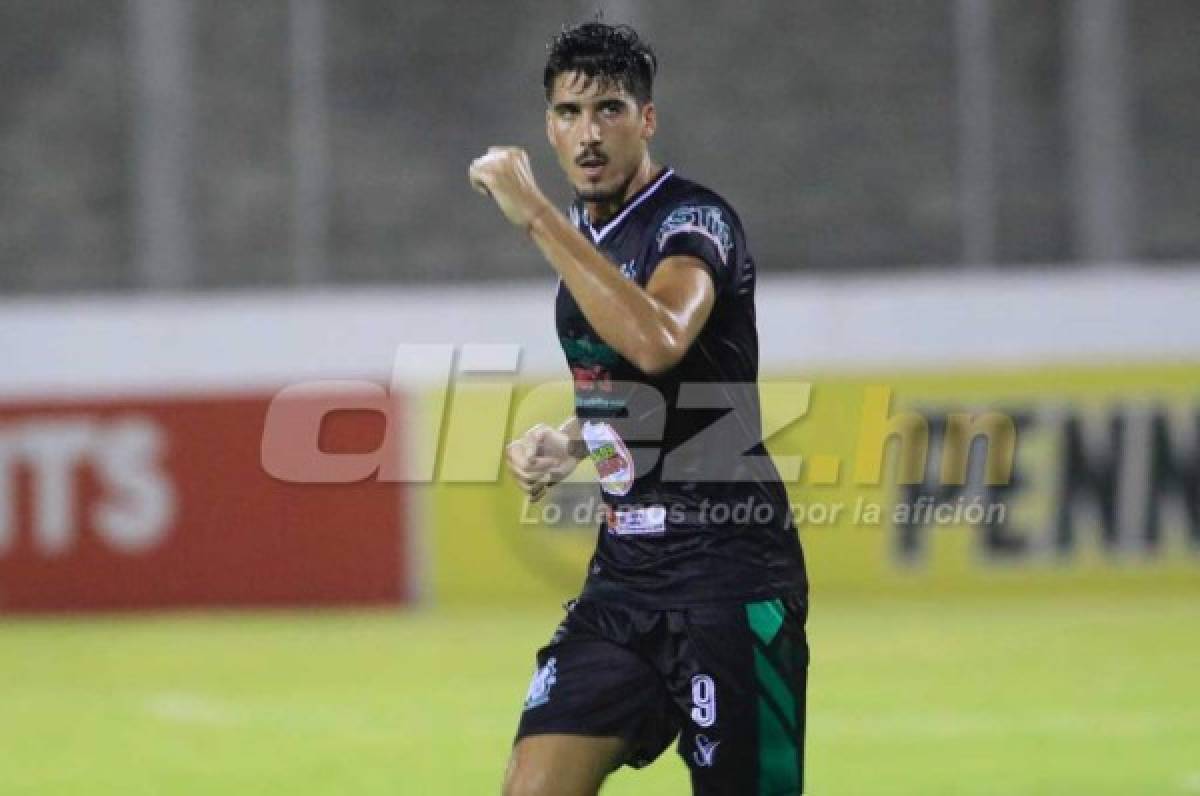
(591, 159)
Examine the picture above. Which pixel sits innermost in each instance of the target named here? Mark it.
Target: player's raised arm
(651, 327)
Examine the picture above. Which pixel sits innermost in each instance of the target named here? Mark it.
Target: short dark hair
(613, 53)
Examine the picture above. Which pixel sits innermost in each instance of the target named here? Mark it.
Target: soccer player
(691, 619)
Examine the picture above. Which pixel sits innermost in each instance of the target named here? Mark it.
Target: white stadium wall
(121, 345)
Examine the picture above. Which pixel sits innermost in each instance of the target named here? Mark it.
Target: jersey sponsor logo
(610, 456)
(637, 520)
(591, 377)
(591, 370)
(706, 750)
(587, 351)
(703, 220)
(599, 404)
(539, 688)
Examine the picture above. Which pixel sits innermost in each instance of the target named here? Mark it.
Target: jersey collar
(642, 195)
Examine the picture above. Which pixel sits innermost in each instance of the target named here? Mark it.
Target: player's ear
(649, 120)
(550, 127)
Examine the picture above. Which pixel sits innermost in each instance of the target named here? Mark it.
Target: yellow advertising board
(1030, 478)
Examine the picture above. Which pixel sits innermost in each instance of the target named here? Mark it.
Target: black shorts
(727, 678)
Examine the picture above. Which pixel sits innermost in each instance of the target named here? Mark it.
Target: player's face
(599, 133)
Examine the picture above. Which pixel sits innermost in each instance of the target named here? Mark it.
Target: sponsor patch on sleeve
(705, 220)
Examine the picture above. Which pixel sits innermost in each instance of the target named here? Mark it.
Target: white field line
(185, 708)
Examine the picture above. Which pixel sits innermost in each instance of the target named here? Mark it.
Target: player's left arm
(652, 327)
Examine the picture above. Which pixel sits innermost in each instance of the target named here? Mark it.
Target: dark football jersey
(695, 509)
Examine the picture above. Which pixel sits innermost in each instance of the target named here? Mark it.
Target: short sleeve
(703, 231)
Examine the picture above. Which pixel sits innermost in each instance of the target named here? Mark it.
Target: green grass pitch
(1053, 695)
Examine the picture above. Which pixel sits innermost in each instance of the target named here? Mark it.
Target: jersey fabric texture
(695, 509)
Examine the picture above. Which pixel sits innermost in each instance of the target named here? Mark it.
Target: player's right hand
(539, 459)
(504, 174)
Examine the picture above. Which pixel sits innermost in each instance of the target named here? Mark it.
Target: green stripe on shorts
(778, 762)
(765, 618)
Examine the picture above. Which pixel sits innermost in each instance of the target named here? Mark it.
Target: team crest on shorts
(539, 688)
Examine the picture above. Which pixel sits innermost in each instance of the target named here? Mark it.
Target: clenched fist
(504, 174)
(540, 458)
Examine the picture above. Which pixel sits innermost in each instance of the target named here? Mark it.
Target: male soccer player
(691, 619)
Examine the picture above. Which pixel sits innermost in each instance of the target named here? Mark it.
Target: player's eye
(612, 108)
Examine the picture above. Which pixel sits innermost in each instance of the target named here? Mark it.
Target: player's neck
(600, 213)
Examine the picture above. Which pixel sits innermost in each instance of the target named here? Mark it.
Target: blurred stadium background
(958, 206)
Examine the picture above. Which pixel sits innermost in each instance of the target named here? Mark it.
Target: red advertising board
(164, 502)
